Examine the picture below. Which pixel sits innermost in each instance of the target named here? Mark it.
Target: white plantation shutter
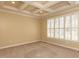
(56, 22)
(57, 33)
(64, 27)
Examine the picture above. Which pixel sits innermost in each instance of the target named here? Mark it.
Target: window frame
(64, 28)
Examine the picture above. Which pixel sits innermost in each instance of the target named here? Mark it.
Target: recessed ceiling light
(13, 2)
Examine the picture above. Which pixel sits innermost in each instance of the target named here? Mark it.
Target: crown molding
(16, 12)
(67, 10)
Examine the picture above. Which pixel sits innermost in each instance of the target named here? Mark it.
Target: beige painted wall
(66, 43)
(16, 29)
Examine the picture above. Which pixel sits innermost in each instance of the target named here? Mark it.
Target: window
(61, 22)
(75, 27)
(75, 34)
(52, 33)
(57, 33)
(56, 29)
(64, 27)
(67, 34)
(74, 21)
(67, 22)
(68, 27)
(48, 26)
(56, 23)
(61, 33)
(52, 23)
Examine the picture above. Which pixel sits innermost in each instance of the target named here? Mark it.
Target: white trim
(38, 5)
(18, 44)
(16, 12)
(76, 49)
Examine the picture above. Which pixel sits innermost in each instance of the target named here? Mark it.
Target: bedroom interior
(39, 29)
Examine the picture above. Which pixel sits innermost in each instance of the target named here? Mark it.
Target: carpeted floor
(38, 50)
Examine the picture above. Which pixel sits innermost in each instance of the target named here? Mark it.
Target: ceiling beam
(38, 5)
(73, 2)
(36, 11)
(50, 3)
(15, 12)
(23, 6)
(27, 12)
(15, 9)
(10, 7)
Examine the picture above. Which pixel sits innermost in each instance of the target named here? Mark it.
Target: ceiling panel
(36, 8)
(59, 5)
(42, 12)
(30, 8)
(17, 4)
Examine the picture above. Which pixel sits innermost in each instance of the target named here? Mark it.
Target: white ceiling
(36, 8)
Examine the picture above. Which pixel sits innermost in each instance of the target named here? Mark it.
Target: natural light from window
(63, 27)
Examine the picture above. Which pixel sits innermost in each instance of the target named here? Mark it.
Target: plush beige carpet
(38, 50)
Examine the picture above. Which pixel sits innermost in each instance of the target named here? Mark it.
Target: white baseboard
(76, 49)
(18, 44)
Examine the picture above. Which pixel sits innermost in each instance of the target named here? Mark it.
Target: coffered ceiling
(35, 8)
